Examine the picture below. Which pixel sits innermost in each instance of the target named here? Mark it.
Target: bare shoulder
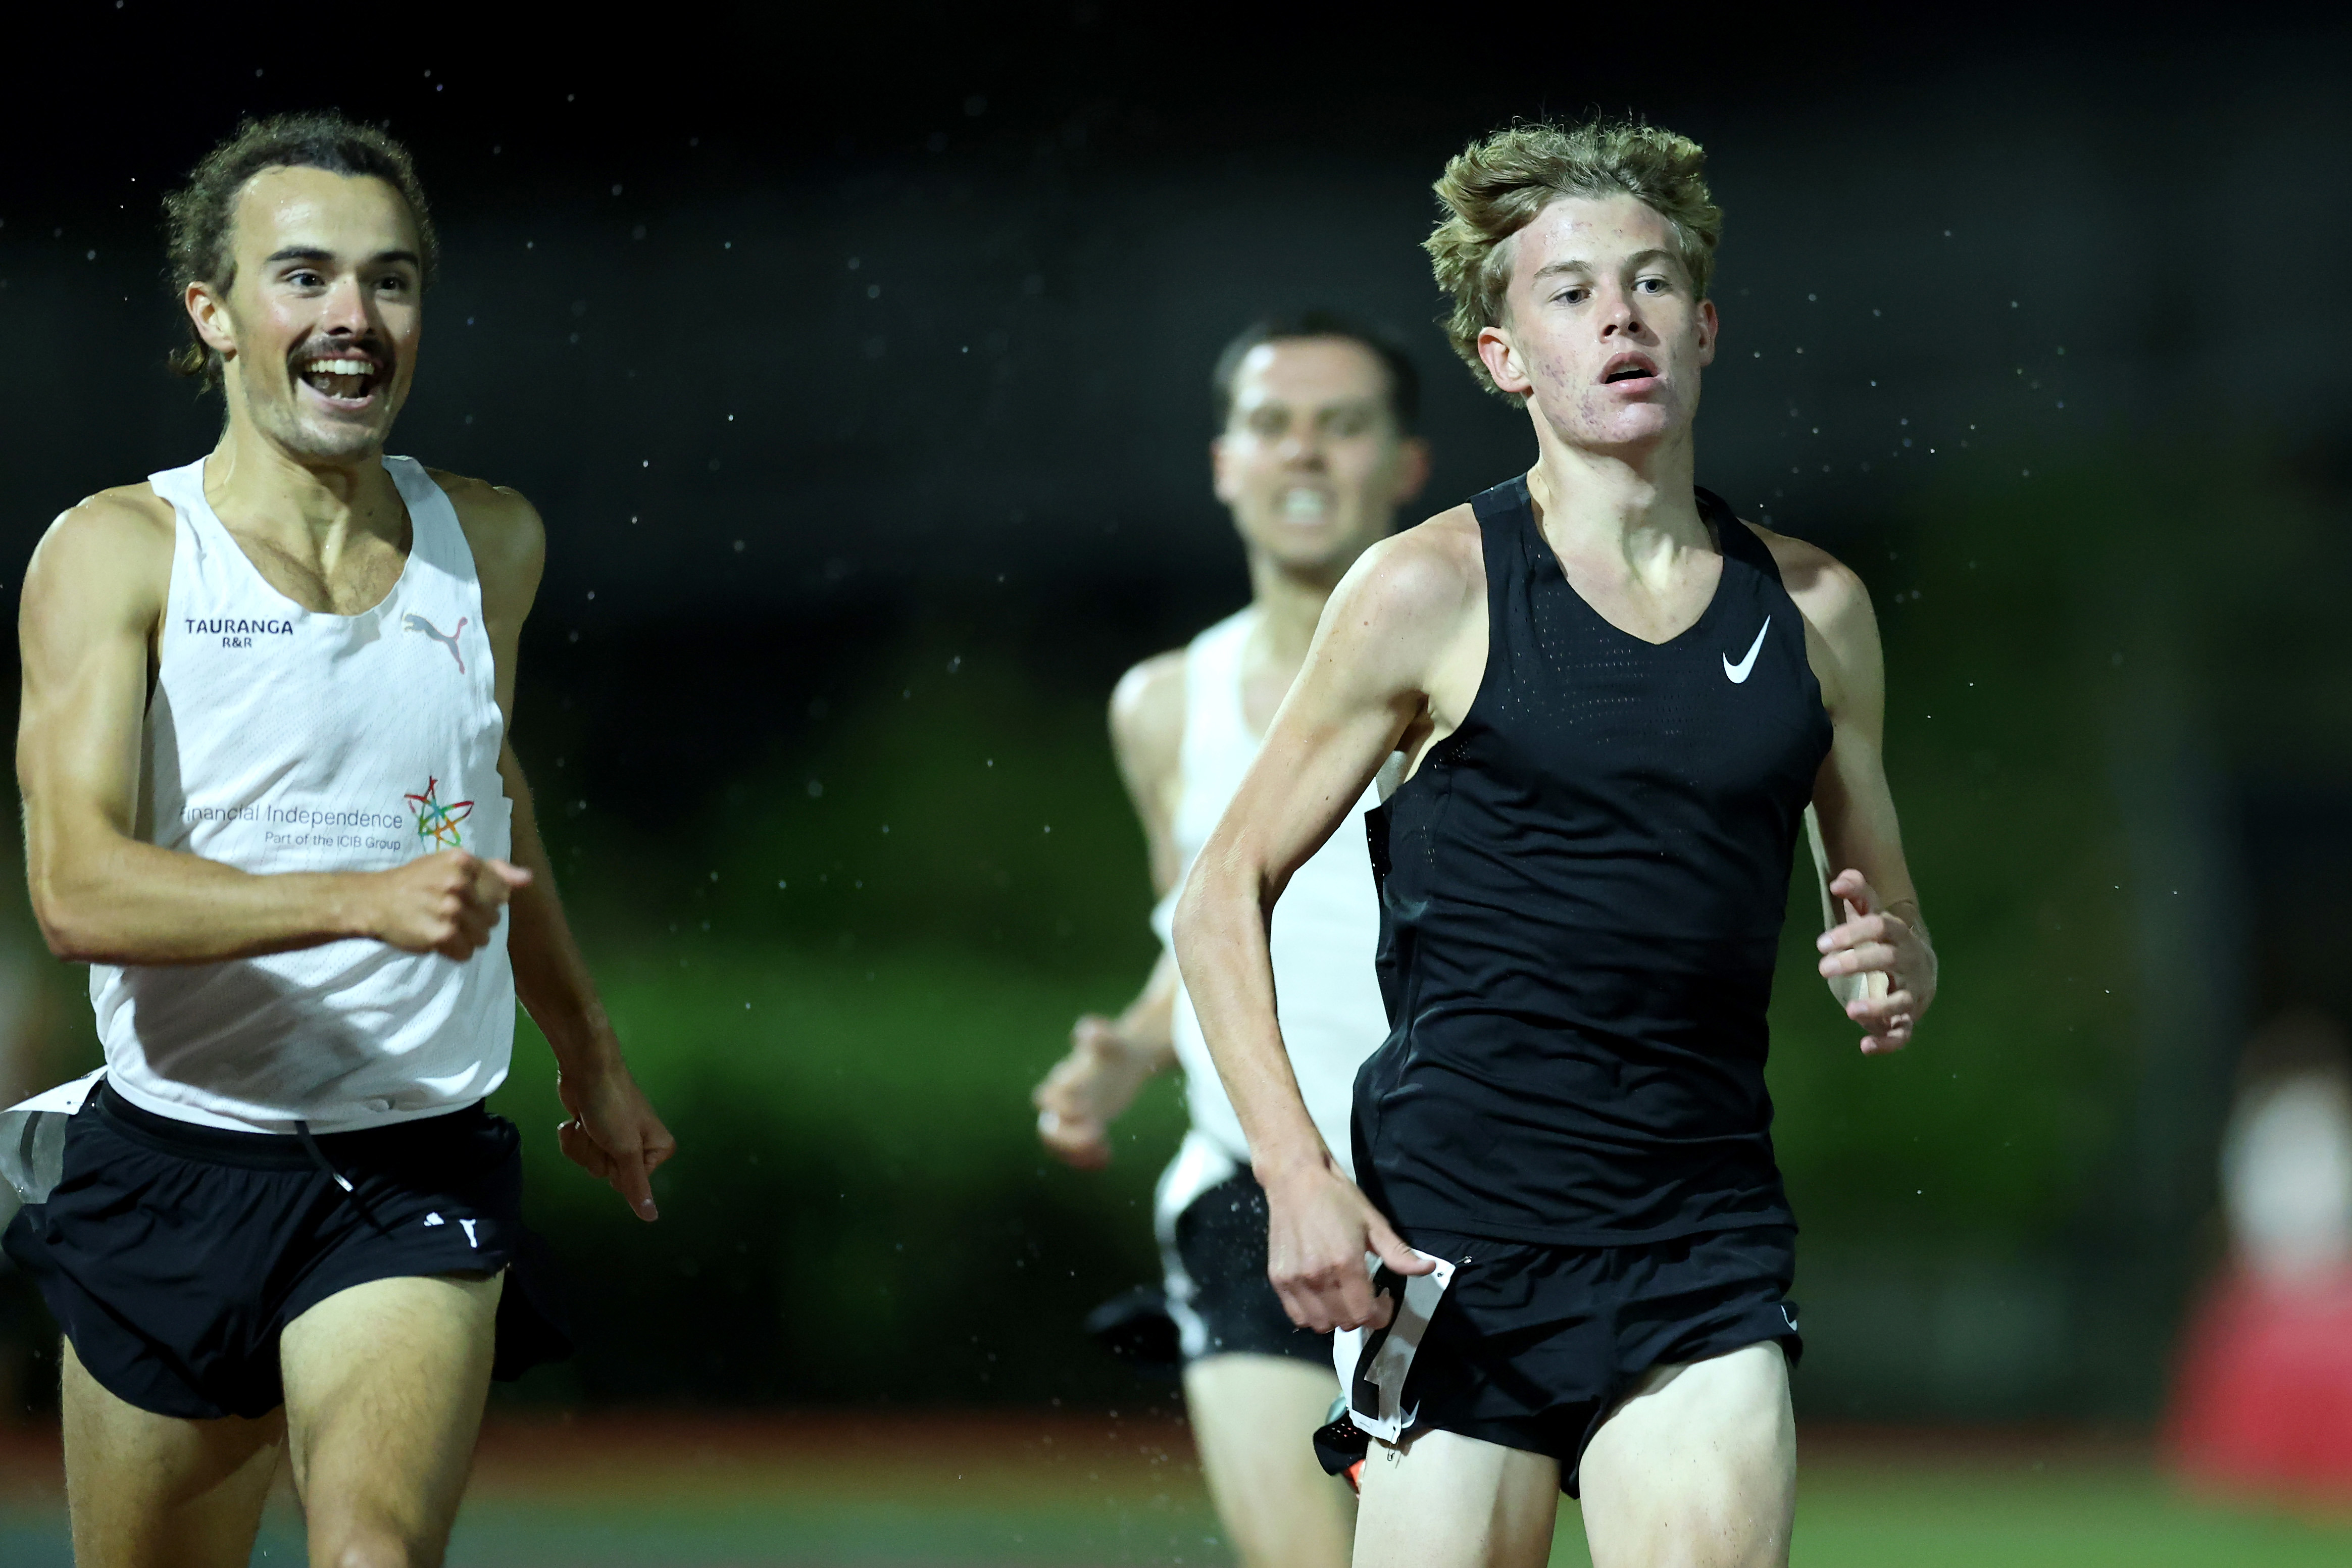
(504, 530)
(113, 547)
(1147, 716)
(1420, 579)
(1829, 591)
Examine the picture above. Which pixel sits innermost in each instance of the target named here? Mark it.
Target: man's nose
(1303, 448)
(1622, 315)
(346, 308)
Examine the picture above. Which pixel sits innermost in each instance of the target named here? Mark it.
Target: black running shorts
(174, 1255)
(1533, 1346)
(1217, 1289)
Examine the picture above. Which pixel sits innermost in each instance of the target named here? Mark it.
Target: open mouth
(1628, 369)
(343, 378)
(1302, 504)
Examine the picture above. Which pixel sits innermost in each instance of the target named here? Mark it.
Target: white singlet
(1327, 930)
(281, 739)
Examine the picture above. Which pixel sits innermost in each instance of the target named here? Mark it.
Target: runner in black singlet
(1634, 807)
(1616, 700)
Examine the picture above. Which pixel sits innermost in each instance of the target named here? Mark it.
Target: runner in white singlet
(1314, 455)
(269, 800)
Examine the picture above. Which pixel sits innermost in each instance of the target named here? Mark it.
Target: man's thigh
(158, 1491)
(1698, 1468)
(1254, 1417)
(384, 1388)
(1443, 1500)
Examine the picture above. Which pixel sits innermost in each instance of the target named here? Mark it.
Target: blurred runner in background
(2264, 1400)
(1316, 454)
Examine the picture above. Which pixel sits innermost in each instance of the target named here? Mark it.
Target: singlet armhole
(1516, 516)
(449, 552)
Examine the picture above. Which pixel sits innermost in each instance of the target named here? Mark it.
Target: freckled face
(1602, 331)
(1311, 461)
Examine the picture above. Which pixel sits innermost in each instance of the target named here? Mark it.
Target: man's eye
(1654, 284)
(1573, 296)
(1349, 423)
(1267, 423)
(305, 279)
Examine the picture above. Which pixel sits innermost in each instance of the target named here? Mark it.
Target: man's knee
(379, 1547)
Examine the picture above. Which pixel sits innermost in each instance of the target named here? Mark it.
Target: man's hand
(447, 904)
(1893, 956)
(1086, 1092)
(614, 1134)
(1319, 1229)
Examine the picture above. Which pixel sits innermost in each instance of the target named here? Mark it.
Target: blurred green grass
(859, 1211)
(1917, 1509)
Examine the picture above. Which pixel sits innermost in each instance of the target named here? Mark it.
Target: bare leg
(1441, 1501)
(1254, 1417)
(1698, 1468)
(384, 1388)
(156, 1492)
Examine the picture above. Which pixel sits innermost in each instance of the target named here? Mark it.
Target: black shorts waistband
(278, 1151)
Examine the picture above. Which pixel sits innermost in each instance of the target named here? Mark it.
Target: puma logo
(1737, 673)
(412, 621)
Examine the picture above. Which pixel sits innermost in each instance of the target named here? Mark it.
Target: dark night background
(858, 364)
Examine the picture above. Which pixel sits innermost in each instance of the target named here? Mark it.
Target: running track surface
(835, 1490)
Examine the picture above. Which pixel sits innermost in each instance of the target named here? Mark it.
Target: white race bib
(33, 1136)
(1372, 1363)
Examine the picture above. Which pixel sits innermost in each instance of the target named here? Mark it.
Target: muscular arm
(1147, 735)
(1385, 672)
(1111, 1058)
(613, 1131)
(1884, 937)
(87, 625)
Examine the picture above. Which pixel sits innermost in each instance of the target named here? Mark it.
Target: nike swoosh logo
(1737, 674)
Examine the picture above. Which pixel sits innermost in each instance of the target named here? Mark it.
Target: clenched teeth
(340, 368)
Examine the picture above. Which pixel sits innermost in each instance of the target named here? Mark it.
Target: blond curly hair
(1497, 186)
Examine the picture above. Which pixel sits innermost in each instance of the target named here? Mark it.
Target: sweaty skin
(1596, 287)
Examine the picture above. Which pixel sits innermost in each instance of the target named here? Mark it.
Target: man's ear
(209, 311)
(1412, 468)
(1710, 328)
(1221, 479)
(1496, 352)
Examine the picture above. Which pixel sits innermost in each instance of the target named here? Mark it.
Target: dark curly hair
(197, 217)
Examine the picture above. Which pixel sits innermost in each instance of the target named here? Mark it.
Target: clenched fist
(446, 903)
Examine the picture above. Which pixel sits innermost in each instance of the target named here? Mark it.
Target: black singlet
(1582, 894)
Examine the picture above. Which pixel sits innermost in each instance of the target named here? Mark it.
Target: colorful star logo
(435, 820)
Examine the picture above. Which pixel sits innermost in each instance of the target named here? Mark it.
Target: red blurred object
(2263, 1399)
